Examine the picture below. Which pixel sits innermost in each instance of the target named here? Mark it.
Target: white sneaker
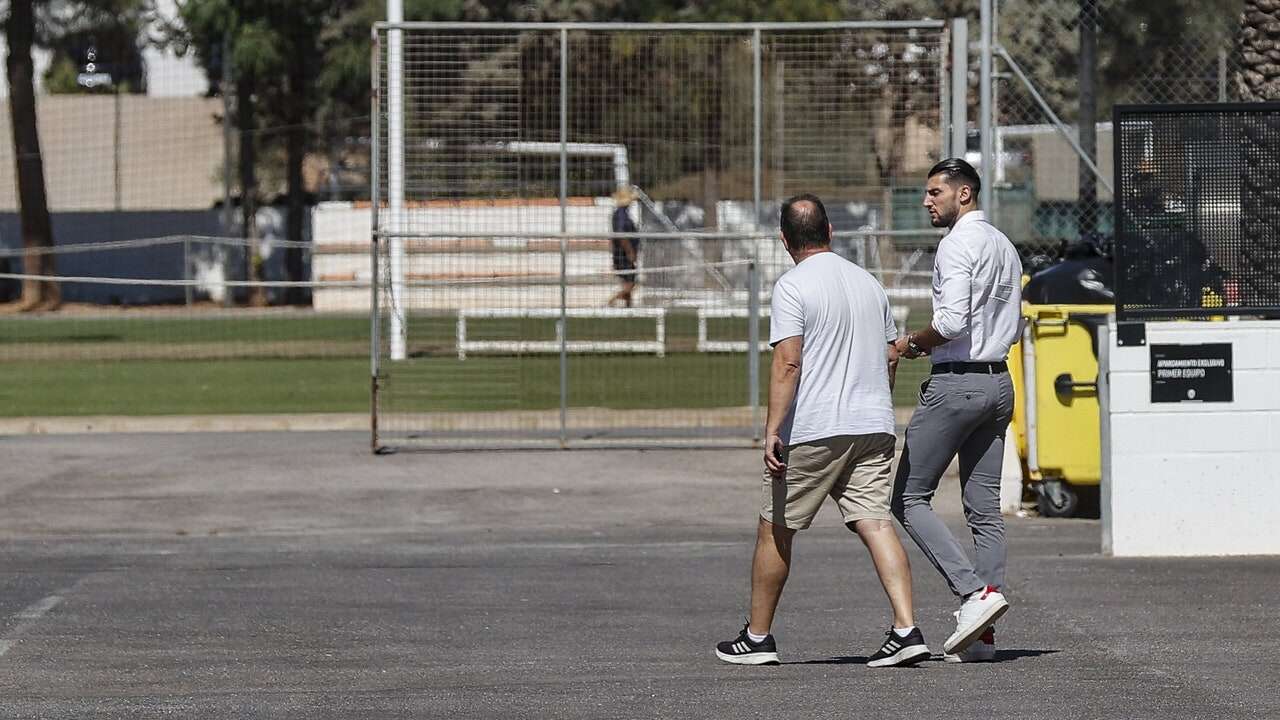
(981, 650)
(977, 613)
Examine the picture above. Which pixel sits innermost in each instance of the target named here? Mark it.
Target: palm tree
(1259, 80)
(37, 230)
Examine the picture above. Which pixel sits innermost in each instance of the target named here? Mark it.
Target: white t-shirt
(843, 316)
(977, 292)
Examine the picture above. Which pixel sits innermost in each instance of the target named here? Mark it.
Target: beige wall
(1057, 174)
(170, 153)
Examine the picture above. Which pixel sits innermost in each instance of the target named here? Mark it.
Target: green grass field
(306, 362)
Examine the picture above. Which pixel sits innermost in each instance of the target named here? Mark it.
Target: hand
(903, 344)
(773, 452)
(903, 347)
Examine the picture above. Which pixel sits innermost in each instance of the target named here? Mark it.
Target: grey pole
(779, 128)
(227, 138)
(944, 95)
(186, 268)
(116, 144)
(375, 159)
(959, 86)
(1086, 118)
(564, 242)
(984, 111)
(753, 281)
(1222, 75)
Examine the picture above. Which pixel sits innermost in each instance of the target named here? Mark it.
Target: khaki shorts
(853, 469)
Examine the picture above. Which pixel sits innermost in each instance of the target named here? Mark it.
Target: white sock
(903, 632)
(756, 638)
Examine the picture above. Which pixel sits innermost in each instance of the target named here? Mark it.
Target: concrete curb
(303, 422)
(327, 422)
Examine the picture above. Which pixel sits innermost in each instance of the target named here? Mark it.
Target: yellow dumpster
(1056, 421)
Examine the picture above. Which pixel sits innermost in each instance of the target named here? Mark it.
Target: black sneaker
(744, 652)
(903, 651)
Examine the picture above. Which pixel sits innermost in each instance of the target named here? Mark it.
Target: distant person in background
(625, 251)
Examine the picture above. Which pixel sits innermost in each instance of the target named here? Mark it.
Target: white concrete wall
(1182, 479)
(342, 230)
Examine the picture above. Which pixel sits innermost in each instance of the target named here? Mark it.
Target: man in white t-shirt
(830, 430)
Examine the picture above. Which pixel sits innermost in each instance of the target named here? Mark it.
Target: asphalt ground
(294, 575)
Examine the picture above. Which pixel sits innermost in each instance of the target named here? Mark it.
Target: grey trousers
(966, 414)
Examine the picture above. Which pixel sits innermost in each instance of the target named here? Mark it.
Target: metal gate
(521, 170)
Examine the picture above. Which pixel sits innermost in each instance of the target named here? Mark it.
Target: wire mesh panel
(1082, 58)
(136, 302)
(1198, 229)
(576, 224)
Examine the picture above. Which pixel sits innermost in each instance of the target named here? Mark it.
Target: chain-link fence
(527, 176)
(1197, 210)
(1059, 69)
(709, 127)
(164, 302)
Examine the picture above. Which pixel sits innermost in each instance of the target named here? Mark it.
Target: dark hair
(958, 172)
(804, 222)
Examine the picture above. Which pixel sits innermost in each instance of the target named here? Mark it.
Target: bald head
(804, 223)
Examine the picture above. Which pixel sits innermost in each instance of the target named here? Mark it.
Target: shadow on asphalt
(1001, 656)
(1010, 655)
(843, 660)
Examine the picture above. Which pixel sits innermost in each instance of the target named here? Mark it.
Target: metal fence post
(984, 111)
(753, 279)
(375, 199)
(186, 268)
(228, 217)
(1222, 75)
(959, 87)
(564, 240)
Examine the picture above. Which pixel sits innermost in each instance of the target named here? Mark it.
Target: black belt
(960, 368)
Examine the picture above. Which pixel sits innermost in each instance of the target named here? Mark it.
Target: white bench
(657, 346)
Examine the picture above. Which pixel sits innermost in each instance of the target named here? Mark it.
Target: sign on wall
(1191, 373)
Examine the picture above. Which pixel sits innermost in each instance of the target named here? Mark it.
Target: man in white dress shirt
(965, 405)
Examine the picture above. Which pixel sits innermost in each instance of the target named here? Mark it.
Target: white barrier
(656, 346)
(705, 345)
(1184, 470)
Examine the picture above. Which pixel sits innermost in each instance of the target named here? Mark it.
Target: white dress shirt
(977, 292)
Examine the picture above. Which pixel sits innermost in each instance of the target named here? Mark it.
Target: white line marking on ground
(27, 617)
(36, 610)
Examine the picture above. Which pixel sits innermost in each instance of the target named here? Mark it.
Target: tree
(37, 230)
(112, 31)
(1259, 80)
(1259, 39)
(299, 67)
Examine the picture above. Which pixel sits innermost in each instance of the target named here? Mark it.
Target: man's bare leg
(891, 565)
(623, 296)
(769, 569)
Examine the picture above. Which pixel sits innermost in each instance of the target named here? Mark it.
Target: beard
(943, 219)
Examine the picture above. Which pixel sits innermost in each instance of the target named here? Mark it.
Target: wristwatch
(913, 347)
